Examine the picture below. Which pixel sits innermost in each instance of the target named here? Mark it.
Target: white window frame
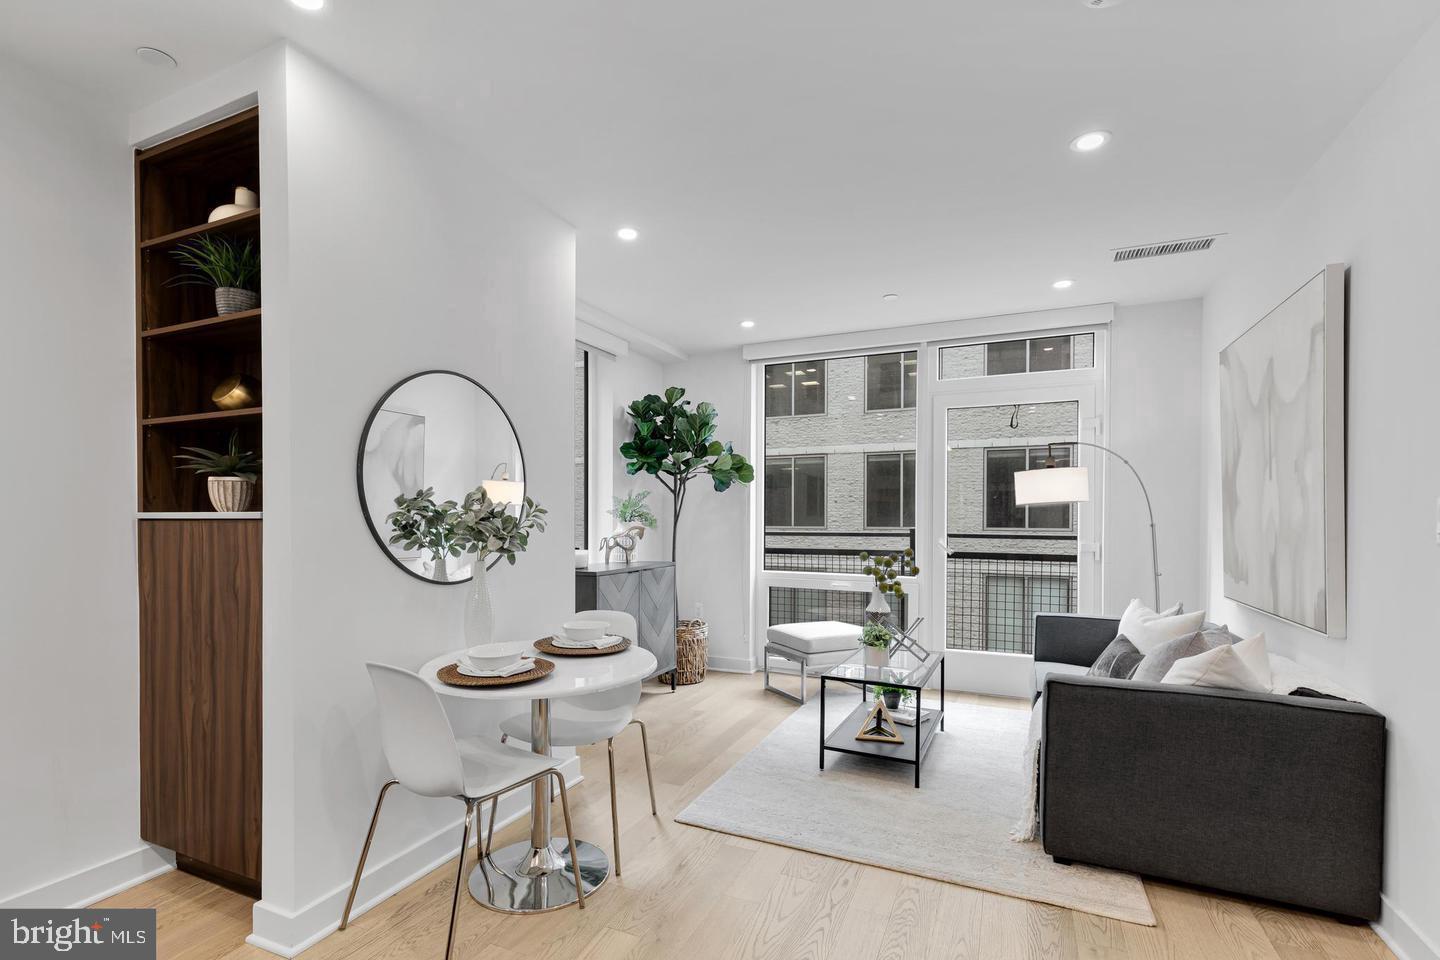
(824, 496)
(865, 487)
(903, 391)
(824, 389)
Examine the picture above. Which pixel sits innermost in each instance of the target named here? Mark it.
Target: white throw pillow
(1147, 629)
(1253, 654)
(1222, 667)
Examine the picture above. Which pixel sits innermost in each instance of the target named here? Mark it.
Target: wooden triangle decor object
(879, 725)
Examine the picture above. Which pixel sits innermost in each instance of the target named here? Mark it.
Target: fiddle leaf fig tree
(675, 445)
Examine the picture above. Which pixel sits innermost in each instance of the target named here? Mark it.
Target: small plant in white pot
(229, 476)
(876, 640)
(231, 267)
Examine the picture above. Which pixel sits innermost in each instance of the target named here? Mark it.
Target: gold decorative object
(879, 725)
(237, 393)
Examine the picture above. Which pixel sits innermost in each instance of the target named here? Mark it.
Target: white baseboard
(286, 933)
(93, 883)
(1401, 935)
(729, 664)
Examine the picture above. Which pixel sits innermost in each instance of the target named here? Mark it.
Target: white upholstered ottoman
(817, 645)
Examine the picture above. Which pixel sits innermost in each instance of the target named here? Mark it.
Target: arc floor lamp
(1051, 484)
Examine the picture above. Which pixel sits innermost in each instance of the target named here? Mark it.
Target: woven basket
(691, 645)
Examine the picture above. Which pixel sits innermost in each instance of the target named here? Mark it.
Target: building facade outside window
(795, 491)
(890, 490)
(891, 381)
(1001, 512)
(1004, 357)
(795, 389)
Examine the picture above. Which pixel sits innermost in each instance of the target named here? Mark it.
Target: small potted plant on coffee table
(875, 638)
(229, 476)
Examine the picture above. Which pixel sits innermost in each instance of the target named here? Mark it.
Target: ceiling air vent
(1192, 245)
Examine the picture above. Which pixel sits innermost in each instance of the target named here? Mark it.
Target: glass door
(998, 563)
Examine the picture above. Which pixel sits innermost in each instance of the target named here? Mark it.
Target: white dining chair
(584, 721)
(425, 758)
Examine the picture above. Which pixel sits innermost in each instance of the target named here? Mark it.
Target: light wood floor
(693, 894)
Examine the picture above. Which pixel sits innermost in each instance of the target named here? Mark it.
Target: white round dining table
(537, 874)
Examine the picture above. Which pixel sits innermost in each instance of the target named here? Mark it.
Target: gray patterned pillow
(1157, 662)
(1117, 661)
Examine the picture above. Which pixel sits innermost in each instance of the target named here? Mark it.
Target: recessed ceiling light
(1093, 140)
(890, 297)
(309, 4)
(1063, 284)
(628, 234)
(156, 57)
(747, 324)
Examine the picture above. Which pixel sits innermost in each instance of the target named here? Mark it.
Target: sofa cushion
(821, 636)
(1228, 666)
(1158, 662)
(1045, 668)
(1117, 661)
(1147, 629)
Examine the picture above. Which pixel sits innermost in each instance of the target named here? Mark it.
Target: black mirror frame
(360, 464)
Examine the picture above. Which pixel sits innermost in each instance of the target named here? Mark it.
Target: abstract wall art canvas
(1282, 458)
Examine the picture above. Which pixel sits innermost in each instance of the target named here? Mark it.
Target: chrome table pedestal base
(525, 879)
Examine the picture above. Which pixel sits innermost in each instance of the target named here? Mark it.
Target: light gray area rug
(954, 828)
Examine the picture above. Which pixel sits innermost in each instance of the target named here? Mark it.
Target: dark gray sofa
(1268, 796)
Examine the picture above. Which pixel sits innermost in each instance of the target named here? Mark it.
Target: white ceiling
(791, 162)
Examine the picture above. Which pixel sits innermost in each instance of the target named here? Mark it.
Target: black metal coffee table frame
(907, 673)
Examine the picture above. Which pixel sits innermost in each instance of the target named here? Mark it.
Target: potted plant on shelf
(893, 696)
(875, 638)
(230, 476)
(886, 569)
(231, 267)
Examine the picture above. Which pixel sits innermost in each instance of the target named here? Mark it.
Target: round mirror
(432, 439)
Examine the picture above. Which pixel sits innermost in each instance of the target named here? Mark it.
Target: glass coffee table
(906, 671)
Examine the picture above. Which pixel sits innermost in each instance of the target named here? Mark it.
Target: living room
(811, 481)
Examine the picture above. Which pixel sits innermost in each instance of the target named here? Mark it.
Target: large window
(795, 389)
(1001, 511)
(891, 380)
(795, 491)
(1011, 602)
(890, 489)
(582, 442)
(1033, 355)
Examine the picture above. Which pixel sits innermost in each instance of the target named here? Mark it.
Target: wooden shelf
(170, 239)
(201, 418)
(227, 324)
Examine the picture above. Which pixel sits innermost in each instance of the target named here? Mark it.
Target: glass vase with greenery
(488, 529)
(422, 524)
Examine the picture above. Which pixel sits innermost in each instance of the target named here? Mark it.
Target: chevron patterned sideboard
(645, 589)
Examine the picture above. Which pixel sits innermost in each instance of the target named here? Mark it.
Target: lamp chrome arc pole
(1154, 547)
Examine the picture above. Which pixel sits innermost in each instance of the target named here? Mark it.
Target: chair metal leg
(570, 836)
(471, 809)
(364, 852)
(490, 834)
(614, 807)
(649, 778)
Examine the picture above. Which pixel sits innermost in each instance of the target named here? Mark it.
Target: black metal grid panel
(796, 605)
(992, 598)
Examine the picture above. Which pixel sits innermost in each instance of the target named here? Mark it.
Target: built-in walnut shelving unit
(199, 571)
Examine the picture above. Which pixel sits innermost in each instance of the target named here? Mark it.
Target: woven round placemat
(451, 675)
(547, 645)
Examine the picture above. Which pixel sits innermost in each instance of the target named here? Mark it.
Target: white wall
(404, 254)
(615, 381)
(714, 527)
(1372, 202)
(1155, 424)
(68, 617)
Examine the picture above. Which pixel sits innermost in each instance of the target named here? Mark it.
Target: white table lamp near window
(1052, 484)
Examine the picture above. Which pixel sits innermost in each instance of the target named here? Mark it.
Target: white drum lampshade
(1052, 485)
(504, 490)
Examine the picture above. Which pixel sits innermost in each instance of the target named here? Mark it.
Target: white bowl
(493, 656)
(584, 629)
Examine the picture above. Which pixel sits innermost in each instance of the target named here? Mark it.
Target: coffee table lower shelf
(917, 739)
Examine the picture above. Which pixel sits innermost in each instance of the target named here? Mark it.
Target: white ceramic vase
(479, 612)
(245, 200)
(879, 607)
